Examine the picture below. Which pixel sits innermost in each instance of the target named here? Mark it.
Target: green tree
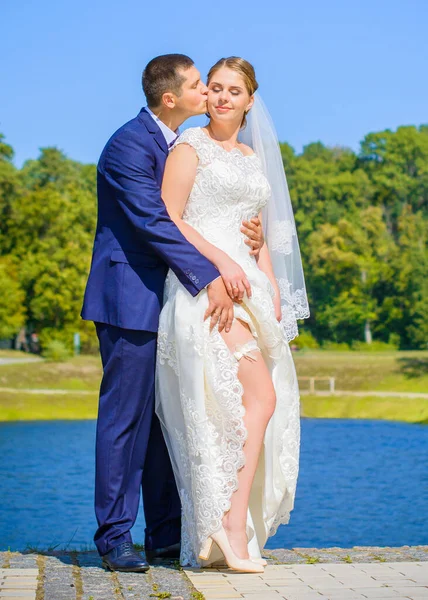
(362, 220)
(404, 301)
(12, 312)
(9, 189)
(50, 234)
(348, 262)
(397, 164)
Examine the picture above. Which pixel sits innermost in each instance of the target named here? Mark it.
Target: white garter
(245, 349)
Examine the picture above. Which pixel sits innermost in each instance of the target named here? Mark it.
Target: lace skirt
(199, 404)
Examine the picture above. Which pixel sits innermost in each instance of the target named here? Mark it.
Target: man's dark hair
(161, 75)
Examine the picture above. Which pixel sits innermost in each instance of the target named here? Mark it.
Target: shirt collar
(169, 135)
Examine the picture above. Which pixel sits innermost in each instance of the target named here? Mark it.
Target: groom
(135, 244)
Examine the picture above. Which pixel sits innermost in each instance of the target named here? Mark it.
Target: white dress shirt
(169, 135)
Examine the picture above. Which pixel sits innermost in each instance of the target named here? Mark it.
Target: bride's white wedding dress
(199, 396)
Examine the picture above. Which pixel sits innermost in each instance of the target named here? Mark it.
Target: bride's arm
(178, 180)
(265, 264)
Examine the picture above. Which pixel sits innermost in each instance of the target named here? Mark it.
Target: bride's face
(228, 97)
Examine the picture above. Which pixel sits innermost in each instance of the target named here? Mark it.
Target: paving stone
(411, 571)
(413, 592)
(213, 581)
(21, 572)
(343, 595)
(26, 561)
(395, 598)
(339, 568)
(29, 579)
(359, 582)
(262, 596)
(249, 589)
(58, 581)
(220, 595)
(304, 596)
(309, 571)
(18, 594)
(338, 593)
(249, 576)
(295, 583)
(357, 554)
(385, 592)
(323, 584)
(134, 585)
(224, 598)
(403, 581)
(8, 597)
(224, 588)
(296, 591)
(280, 568)
(9, 584)
(377, 574)
(173, 580)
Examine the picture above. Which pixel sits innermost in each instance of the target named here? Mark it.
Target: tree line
(362, 220)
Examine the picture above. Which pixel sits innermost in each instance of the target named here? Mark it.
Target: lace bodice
(229, 188)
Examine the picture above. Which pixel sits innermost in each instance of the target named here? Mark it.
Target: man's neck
(168, 117)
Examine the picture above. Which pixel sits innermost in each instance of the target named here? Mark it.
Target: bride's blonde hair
(244, 68)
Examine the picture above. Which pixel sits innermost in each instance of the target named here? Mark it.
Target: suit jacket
(135, 240)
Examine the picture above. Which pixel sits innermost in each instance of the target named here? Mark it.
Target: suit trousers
(130, 448)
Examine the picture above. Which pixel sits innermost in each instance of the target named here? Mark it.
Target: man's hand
(220, 306)
(254, 231)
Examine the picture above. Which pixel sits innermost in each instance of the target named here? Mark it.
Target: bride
(228, 399)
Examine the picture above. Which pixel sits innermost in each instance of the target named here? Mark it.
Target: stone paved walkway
(362, 581)
(300, 574)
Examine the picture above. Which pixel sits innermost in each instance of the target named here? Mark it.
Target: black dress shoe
(157, 556)
(125, 558)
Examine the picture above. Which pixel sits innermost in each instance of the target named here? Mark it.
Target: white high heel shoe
(222, 563)
(243, 565)
(259, 561)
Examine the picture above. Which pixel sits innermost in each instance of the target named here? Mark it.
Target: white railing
(312, 380)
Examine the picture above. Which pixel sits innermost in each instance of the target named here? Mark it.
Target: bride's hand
(254, 231)
(234, 277)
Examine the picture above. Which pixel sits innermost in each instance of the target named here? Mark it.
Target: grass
(358, 371)
(410, 410)
(78, 373)
(354, 371)
(29, 407)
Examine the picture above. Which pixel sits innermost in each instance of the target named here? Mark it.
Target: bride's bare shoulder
(246, 150)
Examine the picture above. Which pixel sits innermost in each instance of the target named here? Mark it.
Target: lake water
(361, 482)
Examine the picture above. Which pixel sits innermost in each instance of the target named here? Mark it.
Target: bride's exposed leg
(259, 400)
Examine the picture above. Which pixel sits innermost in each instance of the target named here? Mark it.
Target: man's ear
(168, 100)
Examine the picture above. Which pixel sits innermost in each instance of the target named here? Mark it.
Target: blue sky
(328, 70)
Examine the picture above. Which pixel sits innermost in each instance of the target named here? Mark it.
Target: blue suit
(135, 244)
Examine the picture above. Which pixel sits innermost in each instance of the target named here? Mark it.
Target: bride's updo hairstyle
(244, 68)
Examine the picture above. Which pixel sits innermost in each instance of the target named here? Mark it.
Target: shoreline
(297, 555)
(391, 386)
(27, 407)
